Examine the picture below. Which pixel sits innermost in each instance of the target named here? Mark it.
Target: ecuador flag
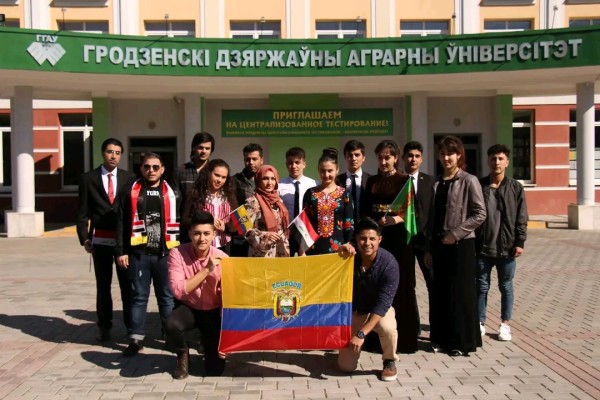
(299, 303)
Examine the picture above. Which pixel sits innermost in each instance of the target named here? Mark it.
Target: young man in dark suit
(100, 191)
(423, 184)
(354, 179)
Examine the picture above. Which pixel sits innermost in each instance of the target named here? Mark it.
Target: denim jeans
(143, 270)
(506, 272)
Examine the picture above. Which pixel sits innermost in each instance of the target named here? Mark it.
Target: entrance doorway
(472, 142)
(166, 148)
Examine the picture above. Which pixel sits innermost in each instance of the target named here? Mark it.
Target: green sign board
(25, 49)
(282, 123)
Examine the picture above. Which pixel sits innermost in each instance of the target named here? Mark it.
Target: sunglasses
(154, 167)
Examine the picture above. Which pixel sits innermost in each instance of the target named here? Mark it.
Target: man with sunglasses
(148, 229)
(100, 191)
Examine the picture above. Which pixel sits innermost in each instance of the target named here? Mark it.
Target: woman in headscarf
(269, 235)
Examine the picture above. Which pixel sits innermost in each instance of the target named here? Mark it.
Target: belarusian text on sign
(339, 122)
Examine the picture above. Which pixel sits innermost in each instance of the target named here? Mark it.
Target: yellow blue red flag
(299, 303)
(241, 220)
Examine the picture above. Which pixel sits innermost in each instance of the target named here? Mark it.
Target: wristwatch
(360, 335)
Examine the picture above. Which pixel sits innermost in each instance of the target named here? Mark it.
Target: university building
(307, 73)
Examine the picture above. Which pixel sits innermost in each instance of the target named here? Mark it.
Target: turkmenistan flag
(404, 206)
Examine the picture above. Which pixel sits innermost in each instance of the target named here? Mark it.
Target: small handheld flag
(303, 231)
(241, 220)
(404, 206)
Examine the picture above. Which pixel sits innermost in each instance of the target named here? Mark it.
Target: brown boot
(183, 365)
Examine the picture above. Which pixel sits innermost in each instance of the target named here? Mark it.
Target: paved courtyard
(48, 348)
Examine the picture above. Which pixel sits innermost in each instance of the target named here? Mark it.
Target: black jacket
(513, 210)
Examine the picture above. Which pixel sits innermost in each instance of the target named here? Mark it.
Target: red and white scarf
(139, 235)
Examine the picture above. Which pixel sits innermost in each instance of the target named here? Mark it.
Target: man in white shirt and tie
(354, 179)
(292, 188)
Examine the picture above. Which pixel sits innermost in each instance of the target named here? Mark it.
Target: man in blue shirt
(376, 278)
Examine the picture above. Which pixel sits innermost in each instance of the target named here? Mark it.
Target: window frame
(3, 130)
(423, 31)
(590, 20)
(86, 132)
(506, 22)
(83, 22)
(531, 126)
(170, 32)
(573, 150)
(257, 32)
(340, 32)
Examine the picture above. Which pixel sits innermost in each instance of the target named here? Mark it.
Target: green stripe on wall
(504, 116)
(312, 146)
(101, 116)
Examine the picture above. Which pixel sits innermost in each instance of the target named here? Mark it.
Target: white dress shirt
(287, 189)
(104, 174)
(415, 180)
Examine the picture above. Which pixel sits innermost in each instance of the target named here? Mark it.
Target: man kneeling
(195, 277)
(376, 277)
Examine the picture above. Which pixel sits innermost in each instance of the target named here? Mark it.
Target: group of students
(138, 222)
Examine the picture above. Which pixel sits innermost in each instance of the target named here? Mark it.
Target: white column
(585, 143)
(23, 221)
(420, 130)
(193, 121)
(23, 167)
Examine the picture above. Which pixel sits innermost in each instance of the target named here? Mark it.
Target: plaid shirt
(184, 179)
(244, 187)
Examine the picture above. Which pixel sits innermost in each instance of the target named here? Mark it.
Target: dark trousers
(239, 247)
(183, 319)
(103, 269)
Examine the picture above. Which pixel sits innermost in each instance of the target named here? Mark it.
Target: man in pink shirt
(195, 277)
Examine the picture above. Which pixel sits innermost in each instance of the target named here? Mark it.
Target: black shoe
(104, 335)
(134, 347)
(457, 353)
(183, 366)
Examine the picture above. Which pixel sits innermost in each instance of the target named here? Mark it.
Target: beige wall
(14, 12)
(337, 11)
(531, 12)
(582, 11)
(82, 14)
(244, 10)
(180, 10)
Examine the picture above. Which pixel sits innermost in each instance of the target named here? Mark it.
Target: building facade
(543, 140)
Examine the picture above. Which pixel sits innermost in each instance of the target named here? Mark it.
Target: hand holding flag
(303, 231)
(241, 220)
(404, 206)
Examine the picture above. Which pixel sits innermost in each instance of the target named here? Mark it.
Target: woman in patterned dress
(269, 235)
(213, 192)
(329, 208)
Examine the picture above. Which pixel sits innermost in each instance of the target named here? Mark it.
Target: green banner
(338, 122)
(24, 49)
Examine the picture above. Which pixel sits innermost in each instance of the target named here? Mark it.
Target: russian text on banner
(303, 231)
(299, 303)
(241, 220)
(404, 205)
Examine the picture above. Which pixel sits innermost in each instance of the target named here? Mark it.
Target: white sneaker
(482, 328)
(504, 332)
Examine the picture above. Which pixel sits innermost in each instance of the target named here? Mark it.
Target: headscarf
(268, 200)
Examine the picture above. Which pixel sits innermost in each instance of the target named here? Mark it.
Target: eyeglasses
(115, 152)
(154, 167)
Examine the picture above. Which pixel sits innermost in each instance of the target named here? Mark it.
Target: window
(12, 23)
(521, 158)
(341, 29)
(573, 147)
(255, 29)
(509, 25)
(76, 130)
(424, 28)
(170, 28)
(584, 22)
(5, 165)
(84, 26)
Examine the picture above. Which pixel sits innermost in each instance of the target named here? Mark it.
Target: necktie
(353, 192)
(111, 189)
(296, 199)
